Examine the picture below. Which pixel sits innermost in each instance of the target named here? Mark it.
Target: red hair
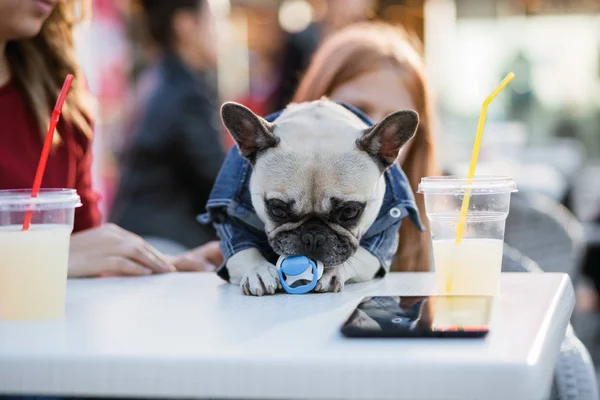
(371, 46)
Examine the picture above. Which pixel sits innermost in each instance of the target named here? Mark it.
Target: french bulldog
(317, 184)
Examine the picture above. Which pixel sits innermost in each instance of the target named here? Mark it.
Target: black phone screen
(420, 316)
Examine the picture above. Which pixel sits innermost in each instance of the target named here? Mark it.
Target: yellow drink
(462, 312)
(469, 268)
(33, 271)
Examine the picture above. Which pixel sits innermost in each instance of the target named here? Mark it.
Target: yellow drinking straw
(465, 204)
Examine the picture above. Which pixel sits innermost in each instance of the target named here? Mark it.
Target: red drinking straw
(39, 175)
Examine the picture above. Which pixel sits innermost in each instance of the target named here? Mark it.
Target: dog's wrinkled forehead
(317, 159)
(315, 180)
(323, 121)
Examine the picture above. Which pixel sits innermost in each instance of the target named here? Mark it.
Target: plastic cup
(34, 263)
(471, 267)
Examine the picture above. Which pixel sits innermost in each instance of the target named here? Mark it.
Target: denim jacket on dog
(231, 212)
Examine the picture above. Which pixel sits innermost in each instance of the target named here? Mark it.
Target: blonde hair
(370, 46)
(40, 64)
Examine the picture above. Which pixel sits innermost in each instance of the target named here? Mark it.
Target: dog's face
(317, 180)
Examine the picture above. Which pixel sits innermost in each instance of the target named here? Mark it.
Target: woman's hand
(203, 258)
(110, 250)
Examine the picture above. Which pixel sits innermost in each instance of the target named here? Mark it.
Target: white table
(190, 335)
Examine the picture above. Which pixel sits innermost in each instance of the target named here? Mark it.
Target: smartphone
(420, 317)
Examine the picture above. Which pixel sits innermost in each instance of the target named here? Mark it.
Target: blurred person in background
(36, 54)
(377, 68)
(176, 152)
(298, 48)
(265, 41)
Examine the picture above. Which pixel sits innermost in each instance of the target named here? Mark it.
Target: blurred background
(544, 129)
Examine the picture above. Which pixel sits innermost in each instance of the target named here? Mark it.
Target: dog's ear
(252, 133)
(384, 140)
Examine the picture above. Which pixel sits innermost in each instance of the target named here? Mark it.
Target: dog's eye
(349, 213)
(278, 212)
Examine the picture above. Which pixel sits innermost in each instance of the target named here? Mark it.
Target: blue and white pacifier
(298, 274)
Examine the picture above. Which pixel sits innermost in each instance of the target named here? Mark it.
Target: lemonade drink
(473, 265)
(466, 312)
(33, 267)
(33, 263)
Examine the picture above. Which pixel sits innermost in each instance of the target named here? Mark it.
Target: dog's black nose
(313, 242)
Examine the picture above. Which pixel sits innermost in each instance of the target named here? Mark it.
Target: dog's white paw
(261, 280)
(332, 280)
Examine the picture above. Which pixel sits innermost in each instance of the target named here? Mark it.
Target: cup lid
(457, 185)
(47, 199)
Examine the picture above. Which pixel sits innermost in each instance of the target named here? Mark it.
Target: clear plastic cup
(34, 263)
(473, 266)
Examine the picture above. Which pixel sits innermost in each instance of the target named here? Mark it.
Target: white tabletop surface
(190, 335)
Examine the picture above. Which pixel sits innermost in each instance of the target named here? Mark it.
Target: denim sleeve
(383, 246)
(236, 236)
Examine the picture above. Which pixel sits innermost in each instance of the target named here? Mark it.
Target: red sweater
(69, 164)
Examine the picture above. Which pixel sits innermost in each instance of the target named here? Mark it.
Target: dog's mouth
(328, 259)
(333, 261)
(325, 245)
